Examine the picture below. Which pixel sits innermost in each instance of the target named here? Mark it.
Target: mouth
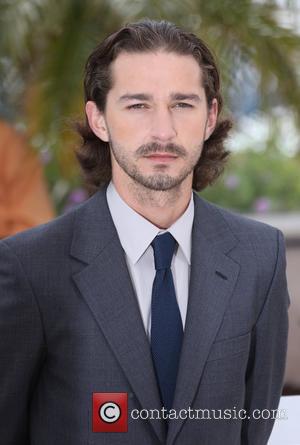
(162, 157)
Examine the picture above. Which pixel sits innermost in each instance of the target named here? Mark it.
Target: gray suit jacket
(70, 326)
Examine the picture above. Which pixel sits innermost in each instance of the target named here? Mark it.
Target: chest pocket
(230, 347)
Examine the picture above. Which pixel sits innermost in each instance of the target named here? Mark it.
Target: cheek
(190, 130)
(128, 129)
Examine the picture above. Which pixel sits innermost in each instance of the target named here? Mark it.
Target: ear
(96, 121)
(211, 119)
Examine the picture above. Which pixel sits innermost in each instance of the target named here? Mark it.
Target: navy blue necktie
(166, 324)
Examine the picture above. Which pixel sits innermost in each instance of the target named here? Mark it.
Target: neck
(161, 208)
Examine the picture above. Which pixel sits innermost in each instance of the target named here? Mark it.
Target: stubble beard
(156, 181)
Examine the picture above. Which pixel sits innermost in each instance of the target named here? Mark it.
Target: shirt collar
(136, 233)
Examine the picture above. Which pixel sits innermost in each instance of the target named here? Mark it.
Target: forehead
(154, 71)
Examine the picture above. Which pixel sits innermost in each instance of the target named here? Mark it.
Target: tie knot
(163, 247)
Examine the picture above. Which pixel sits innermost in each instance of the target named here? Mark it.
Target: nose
(162, 128)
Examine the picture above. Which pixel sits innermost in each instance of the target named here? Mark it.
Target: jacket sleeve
(21, 348)
(266, 365)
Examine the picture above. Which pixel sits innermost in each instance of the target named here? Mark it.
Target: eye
(183, 105)
(136, 106)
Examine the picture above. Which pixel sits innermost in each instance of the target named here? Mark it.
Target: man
(146, 288)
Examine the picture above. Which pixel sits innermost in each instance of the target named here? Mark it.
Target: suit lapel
(213, 277)
(106, 286)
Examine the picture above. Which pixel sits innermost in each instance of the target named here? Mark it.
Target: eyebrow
(173, 96)
(134, 97)
(181, 96)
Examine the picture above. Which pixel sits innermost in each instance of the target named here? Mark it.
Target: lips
(161, 156)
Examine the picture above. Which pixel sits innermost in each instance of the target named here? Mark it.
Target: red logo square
(110, 412)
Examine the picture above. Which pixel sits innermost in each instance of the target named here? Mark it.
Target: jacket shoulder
(241, 225)
(55, 234)
(54, 230)
(253, 237)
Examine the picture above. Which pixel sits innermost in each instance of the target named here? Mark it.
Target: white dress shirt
(136, 234)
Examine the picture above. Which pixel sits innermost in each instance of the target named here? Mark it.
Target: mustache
(154, 147)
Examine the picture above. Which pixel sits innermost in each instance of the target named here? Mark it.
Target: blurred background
(43, 48)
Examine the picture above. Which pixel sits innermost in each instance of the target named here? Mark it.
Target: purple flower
(232, 182)
(77, 196)
(262, 205)
(45, 156)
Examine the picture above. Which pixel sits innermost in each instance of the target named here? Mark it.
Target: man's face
(156, 118)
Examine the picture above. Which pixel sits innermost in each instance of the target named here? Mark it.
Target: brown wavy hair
(149, 35)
